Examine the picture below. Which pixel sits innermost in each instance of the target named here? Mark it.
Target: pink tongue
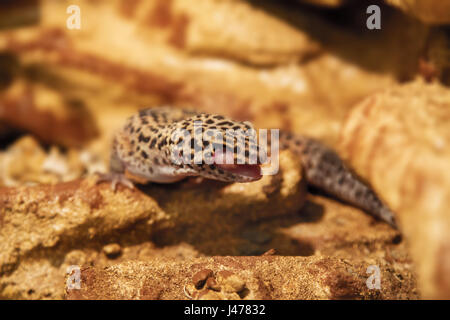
(248, 170)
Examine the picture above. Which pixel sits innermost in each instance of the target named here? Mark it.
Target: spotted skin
(142, 152)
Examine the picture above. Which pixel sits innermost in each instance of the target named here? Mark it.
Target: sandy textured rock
(400, 141)
(51, 116)
(310, 97)
(46, 229)
(26, 162)
(290, 97)
(252, 35)
(70, 222)
(239, 278)
(429, 11)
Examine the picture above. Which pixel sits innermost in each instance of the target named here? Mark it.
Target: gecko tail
(325, 170)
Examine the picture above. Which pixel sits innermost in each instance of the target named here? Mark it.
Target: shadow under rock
(343, 32)
(251, 238)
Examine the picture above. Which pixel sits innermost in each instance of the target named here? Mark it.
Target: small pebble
(200, 277)
(112, 250)
(270, 252)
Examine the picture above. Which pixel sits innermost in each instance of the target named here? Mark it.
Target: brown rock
(199, 279)
(264, 278)
(399, 140)
(315, 94)
(112, 250)
(26, 162)
(44, 224)
(177, 23)
(46, 113)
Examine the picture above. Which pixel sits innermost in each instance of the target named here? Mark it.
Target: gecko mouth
(250, 171)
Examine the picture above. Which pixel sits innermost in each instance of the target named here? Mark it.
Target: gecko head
(227, 149)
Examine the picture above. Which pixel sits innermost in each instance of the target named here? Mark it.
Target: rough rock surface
(49, 115)
(400, 140)
(310, 96)
(239, 278)
(45, 228)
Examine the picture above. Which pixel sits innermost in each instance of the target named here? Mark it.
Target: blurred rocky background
(379, 97)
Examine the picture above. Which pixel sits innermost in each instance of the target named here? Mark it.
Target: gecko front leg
(117, 173)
